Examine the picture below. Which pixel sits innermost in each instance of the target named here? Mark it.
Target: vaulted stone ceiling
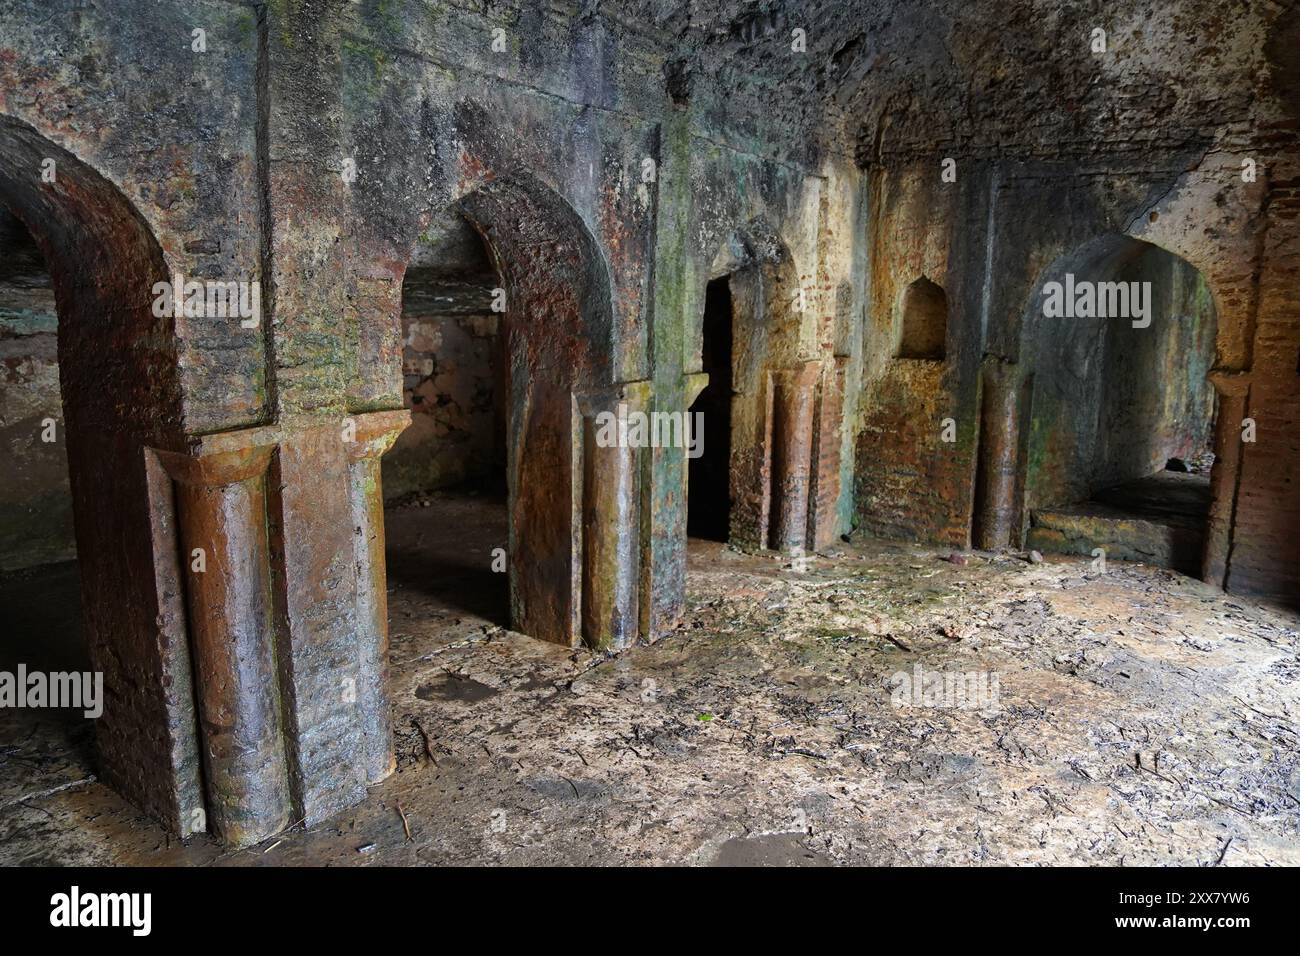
(882, 77)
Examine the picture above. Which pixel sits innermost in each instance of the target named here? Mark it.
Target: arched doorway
(40, 591)
(764, 399)
(446, 472)
(1119, 420)
(120, 395)
(571, 513)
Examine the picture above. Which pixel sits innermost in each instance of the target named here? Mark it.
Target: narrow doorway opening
(708, 507)
(444, 479)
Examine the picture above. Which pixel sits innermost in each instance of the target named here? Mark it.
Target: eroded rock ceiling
(881, 78)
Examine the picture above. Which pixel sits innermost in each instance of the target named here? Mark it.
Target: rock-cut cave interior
(603, 432)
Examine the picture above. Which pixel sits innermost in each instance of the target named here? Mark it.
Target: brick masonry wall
(1265, 556)
(910, 483)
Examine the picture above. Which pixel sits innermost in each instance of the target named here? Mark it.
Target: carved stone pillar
(372, 434)
(221, 517)
(823, 501)
(313, 547)
(751, 465)
(793, 402)
(664, 484)
(611, 540)
(995, 506)
(1234, 392)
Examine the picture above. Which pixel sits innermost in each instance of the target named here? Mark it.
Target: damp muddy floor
(1140, 718)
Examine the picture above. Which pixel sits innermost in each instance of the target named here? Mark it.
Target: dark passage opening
(708, 506)
(444, 479)
(1123, 411)
(40, 584)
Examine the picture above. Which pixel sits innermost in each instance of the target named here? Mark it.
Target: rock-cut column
(611, 540)
(1233, 391)
(367, 437)
(220, 496)
(999, 446)
(793, 402)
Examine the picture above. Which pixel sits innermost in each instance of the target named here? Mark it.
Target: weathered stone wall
(1265, 553)
(910, 481)
(454, 388)
(589, 80)
(175, 130)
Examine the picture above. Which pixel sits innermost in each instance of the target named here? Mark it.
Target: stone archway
(121, 396)
(574, 545)
(774, 392)
(1113, 387)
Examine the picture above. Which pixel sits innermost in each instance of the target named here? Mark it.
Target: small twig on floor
(1261, 713)
(428, 747)
(897, 643)
(1234, 809)
(1224, 851)
(406, 824)
(31, 806)
(1157, 773)
(803, 752)
(49, 792)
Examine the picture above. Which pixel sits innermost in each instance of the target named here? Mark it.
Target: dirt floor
(1136, 717)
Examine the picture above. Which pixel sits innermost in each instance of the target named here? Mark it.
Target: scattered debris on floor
(1137, 717)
